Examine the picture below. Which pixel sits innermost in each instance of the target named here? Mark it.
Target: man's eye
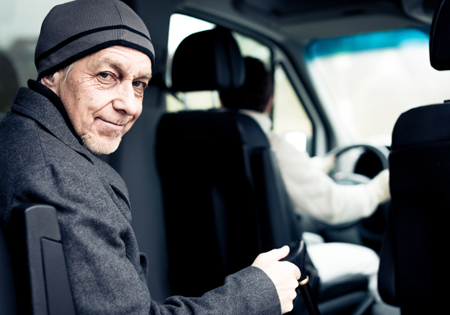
(139, 84)
(104, 75)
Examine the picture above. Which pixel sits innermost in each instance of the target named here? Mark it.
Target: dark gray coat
(42, 161)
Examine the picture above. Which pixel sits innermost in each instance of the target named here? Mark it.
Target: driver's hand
(326, 164)
(380, 185)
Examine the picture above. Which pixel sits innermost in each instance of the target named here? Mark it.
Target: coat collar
(42, 105)
(52, 97)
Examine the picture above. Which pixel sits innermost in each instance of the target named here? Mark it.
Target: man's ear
(52, 81)
(269, 106)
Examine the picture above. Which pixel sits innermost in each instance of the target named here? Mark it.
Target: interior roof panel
(351, 25)
(286, 8)
(302, 20)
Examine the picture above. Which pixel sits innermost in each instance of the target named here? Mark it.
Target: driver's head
(97, 56)
(256, 92)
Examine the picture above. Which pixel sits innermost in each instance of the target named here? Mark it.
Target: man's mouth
(122, 122)
(116, 126)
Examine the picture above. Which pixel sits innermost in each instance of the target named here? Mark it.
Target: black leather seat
(212, 166)
(413, 273)
(224, 198)
(7, 287)
(40, 277)
(413, 266)
(208, 60)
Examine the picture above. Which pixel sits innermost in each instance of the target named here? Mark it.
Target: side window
(289, 115)
(180, 27)
(20, 23)
(252, 48)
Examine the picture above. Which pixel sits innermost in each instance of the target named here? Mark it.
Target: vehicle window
(180, 27)
(366, 81)
(289, 115)
(20, 23)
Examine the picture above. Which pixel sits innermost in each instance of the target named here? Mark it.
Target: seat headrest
(421, 125)
(208, 60)
(440, 37)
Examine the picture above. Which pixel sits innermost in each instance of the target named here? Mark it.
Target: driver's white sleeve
(316, 194)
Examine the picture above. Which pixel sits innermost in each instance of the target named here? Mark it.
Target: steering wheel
(353, 178)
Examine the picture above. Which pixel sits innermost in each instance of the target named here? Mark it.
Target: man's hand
(380, 184)
(324, 163)
(283, 274)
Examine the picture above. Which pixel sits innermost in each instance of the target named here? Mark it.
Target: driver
(311, 190)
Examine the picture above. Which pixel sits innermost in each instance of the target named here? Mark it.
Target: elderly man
(94, 60)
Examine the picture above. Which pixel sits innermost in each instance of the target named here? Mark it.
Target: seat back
(412, 265)
(413, 251)
(7, 287)
(42, 284)
(222, 196)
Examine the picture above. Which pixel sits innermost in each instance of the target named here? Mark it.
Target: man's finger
(277, 253)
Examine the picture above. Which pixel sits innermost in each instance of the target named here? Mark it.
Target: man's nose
(126, 101)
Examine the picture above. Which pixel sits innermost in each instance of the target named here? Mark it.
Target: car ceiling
(303, 20)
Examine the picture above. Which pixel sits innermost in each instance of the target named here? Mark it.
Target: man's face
(103, 95)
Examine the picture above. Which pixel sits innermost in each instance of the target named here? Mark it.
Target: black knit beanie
(73, 30)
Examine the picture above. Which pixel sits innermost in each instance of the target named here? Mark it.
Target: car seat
(33, 270)
(224, 198)
(7, 287)
(413, 261)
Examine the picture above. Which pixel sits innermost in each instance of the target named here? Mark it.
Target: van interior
(343, 73)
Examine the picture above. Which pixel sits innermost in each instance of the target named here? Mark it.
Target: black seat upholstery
(219, 186)
(413, 269)
(414, 245)
(7, 287)
(439, 37)
(40, 275)
(209, 160)
(224, 198)
(216, 53)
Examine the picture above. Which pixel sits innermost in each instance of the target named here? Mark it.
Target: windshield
(366, 81)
